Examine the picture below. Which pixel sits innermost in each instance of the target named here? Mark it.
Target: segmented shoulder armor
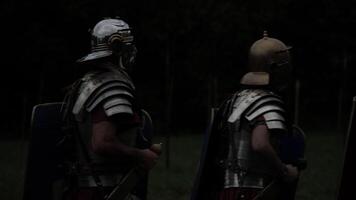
(254, 103)
(112, 89)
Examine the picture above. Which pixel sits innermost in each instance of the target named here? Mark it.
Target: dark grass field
(12, 162)
(319, 181)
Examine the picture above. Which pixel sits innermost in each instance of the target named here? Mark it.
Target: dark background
(191, 54)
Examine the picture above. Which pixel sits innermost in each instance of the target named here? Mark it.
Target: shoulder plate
(275, 120)
(271, 108)
(263, 109)
(245, 99)
(115, 87)
(253, 103)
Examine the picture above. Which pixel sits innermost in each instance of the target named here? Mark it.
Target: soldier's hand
(157, 148)
(292, 173)
(147, 159)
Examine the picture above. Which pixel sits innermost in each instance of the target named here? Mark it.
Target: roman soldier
(245, 155)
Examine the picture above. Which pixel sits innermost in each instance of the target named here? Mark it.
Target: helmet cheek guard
(280, 76)
(115, 42)
(122, 46)
(119, 40)
(127, 56)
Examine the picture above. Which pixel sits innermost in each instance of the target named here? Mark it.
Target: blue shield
(43, 161)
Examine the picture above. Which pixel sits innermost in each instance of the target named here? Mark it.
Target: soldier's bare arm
(261, 143)
(106, 133)
(105, 141)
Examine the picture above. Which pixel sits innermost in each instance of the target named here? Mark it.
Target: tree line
(191, 55)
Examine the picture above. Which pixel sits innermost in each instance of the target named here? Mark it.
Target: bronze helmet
(269, 63)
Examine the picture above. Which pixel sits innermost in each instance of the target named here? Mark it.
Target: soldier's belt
(231, 165)
(110, 180)
(234, 166)
(99, 169)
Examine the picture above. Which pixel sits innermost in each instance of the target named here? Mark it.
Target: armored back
(244, 167)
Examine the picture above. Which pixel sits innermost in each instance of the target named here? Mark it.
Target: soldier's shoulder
(251, 103)
(109, 87)
(256, 93)
(98, 77)
(270, 107)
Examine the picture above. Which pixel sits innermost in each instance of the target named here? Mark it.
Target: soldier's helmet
(269, 63)
(111, 36)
